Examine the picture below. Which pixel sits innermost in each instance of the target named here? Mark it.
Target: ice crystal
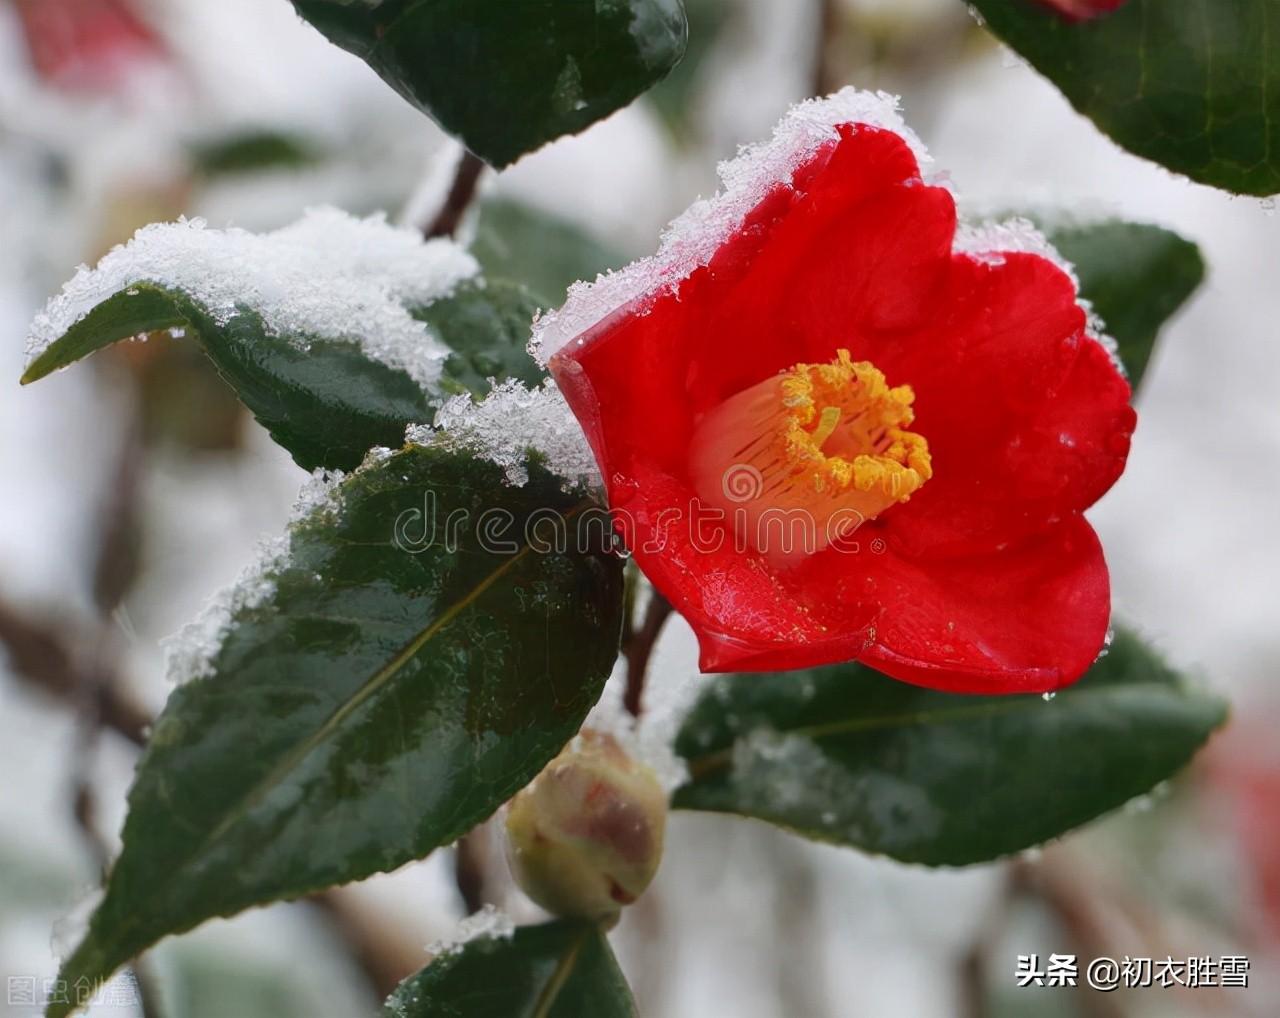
(510, 422)
(489, 923)
(693, 239)
(191, 652)
(328, 276)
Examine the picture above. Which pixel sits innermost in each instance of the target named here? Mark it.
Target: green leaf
(544, 252)
(328, 401)
(325, 401)
(488, 330)
(675, 98)
(1136, 277)
(402, 672)
(1194, 86)
(849, 756)
(508, 76)
(253, 151)
(558, 970)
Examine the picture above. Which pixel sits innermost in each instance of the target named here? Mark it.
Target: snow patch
(490, 923)
(693, 239)
(328, 276)
(649, 739)
(190, 653)
(507, 424)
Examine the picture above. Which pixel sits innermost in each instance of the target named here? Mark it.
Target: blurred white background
(743, 921)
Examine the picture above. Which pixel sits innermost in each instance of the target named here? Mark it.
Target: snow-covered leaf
(507, 77)
(557, 970)
(1190, 85)
(414, 652)
(336, 332)
(845, 755)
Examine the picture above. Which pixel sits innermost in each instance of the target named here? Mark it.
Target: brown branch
(470, 868)
(41, 654)
(461, 193)
(825, 79)
(384, 956)
(638, 649)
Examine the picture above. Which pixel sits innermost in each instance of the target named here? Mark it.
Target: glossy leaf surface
(845, 755)
(508, 76)
(419, 656)
(539, 250)
(488, 330)
(558, 970)
(1192, 86)
(326, 401)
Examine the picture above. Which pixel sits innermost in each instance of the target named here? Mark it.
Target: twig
(41, 654)
(461, 193)
(824, 76)
(638, 649)
(470, 864)
(383, 955)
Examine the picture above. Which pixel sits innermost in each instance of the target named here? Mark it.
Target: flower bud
(585, 838)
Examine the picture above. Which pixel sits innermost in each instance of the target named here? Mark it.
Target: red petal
(86, 44)
(1005, 469)
(1027, 419)
(1031, 619)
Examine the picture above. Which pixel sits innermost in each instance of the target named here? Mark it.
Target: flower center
(803, 459)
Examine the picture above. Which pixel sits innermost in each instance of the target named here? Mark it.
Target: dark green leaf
(558, 970)
(1192, 84)
(846, 755)
(488, 330)
(508, 76)
(328, 403)
(252, 152)
(1136, 277)
(675, 98)
(545, 253)
(377, 704)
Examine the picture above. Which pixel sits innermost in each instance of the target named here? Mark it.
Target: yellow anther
(823, 439)
(827, 424)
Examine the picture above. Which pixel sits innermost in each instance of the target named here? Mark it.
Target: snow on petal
(693, 239)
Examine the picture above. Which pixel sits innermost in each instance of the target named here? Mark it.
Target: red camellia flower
(1084, 10)
(87, 44)
(831, 428)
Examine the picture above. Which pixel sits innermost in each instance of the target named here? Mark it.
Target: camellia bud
(585, 838)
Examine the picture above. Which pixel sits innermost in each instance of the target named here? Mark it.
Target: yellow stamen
(822, 447)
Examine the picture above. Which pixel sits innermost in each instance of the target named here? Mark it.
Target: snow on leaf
(489, 923)
(509, 423)
(328, 276)
(190, 653)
